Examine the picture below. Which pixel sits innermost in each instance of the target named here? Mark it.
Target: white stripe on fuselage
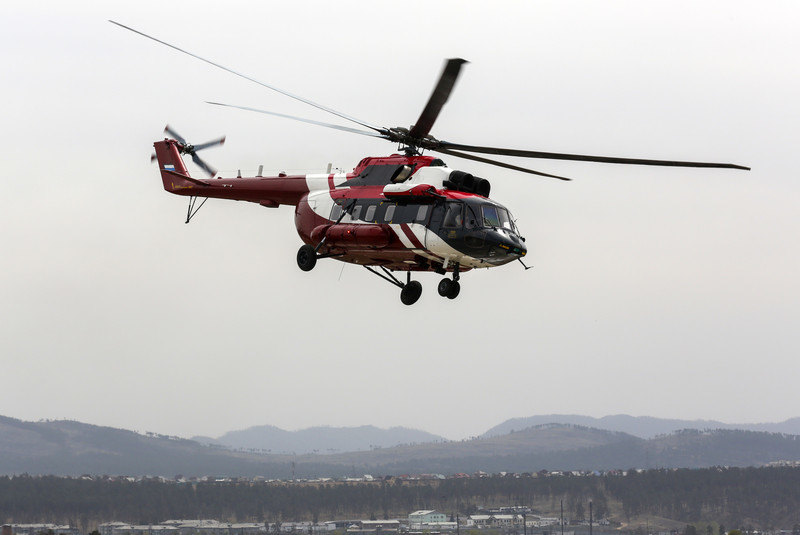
(402, 236)
(319, 182)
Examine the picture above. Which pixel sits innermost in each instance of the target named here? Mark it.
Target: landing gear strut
(409, 292)
(307, 256)
(450, 288)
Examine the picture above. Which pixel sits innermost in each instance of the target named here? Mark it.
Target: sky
(665, 292)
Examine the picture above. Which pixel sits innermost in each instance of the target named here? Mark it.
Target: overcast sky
(665, 292)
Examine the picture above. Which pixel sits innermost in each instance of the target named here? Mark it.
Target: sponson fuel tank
(373, 236)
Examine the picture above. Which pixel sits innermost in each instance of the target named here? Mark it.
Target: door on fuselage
(434, 223)
(447, 218)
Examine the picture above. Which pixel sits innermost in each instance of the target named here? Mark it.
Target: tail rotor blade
(203, 165)
(191, 150)
(174, 134)
(208, 144)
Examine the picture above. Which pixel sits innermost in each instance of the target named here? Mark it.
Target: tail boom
(267, 191)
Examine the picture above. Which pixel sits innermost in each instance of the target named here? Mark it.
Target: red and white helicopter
(405, 212)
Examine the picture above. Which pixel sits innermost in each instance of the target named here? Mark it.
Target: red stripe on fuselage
(411, 236)
(330, 182)
(415, 241)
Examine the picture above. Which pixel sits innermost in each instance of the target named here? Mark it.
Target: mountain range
(640, 426)
(74, 448)
(323, 439)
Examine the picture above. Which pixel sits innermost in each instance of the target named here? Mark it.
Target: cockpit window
(472, 220)
(490, 217)
(505, 219)
(454, 216)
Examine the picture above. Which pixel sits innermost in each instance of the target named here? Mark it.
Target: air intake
(461, 181)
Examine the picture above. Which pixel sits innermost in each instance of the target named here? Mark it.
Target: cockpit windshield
(490, 217)
(497, 217)
(457, 214)
(505, 219)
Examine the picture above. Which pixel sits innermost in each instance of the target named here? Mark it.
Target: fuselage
(408, 213)
(413, 234)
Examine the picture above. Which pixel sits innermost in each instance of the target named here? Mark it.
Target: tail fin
(174, 174)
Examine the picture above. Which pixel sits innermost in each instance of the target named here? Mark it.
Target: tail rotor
(188, 148)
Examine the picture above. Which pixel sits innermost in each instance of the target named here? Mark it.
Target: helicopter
(407, 212)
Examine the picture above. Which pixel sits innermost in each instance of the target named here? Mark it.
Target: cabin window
(422, 213)
(370, 214)
(389, 212)
(356, 213)
(336, 212)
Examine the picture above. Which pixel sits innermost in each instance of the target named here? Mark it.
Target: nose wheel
(450, 288)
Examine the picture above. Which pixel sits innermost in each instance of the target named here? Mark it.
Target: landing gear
(450, 288)
(306, 257)
(409, 292)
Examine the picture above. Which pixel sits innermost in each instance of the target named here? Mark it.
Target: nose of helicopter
(506, 246)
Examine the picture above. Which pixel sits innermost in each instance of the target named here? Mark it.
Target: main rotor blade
(268, 86)
(309, 121)
(583, 157)
(439, 96)
(498, 164)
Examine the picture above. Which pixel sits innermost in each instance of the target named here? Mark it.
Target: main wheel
(445, 287)
(411, 292)
(455, 289)
(306, 258)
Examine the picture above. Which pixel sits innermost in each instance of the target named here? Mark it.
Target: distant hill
(74, 448)
(523, 451)
(566, 447)
(639, 426)
(321, 440)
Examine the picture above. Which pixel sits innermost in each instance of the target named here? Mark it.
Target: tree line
(762, 498)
